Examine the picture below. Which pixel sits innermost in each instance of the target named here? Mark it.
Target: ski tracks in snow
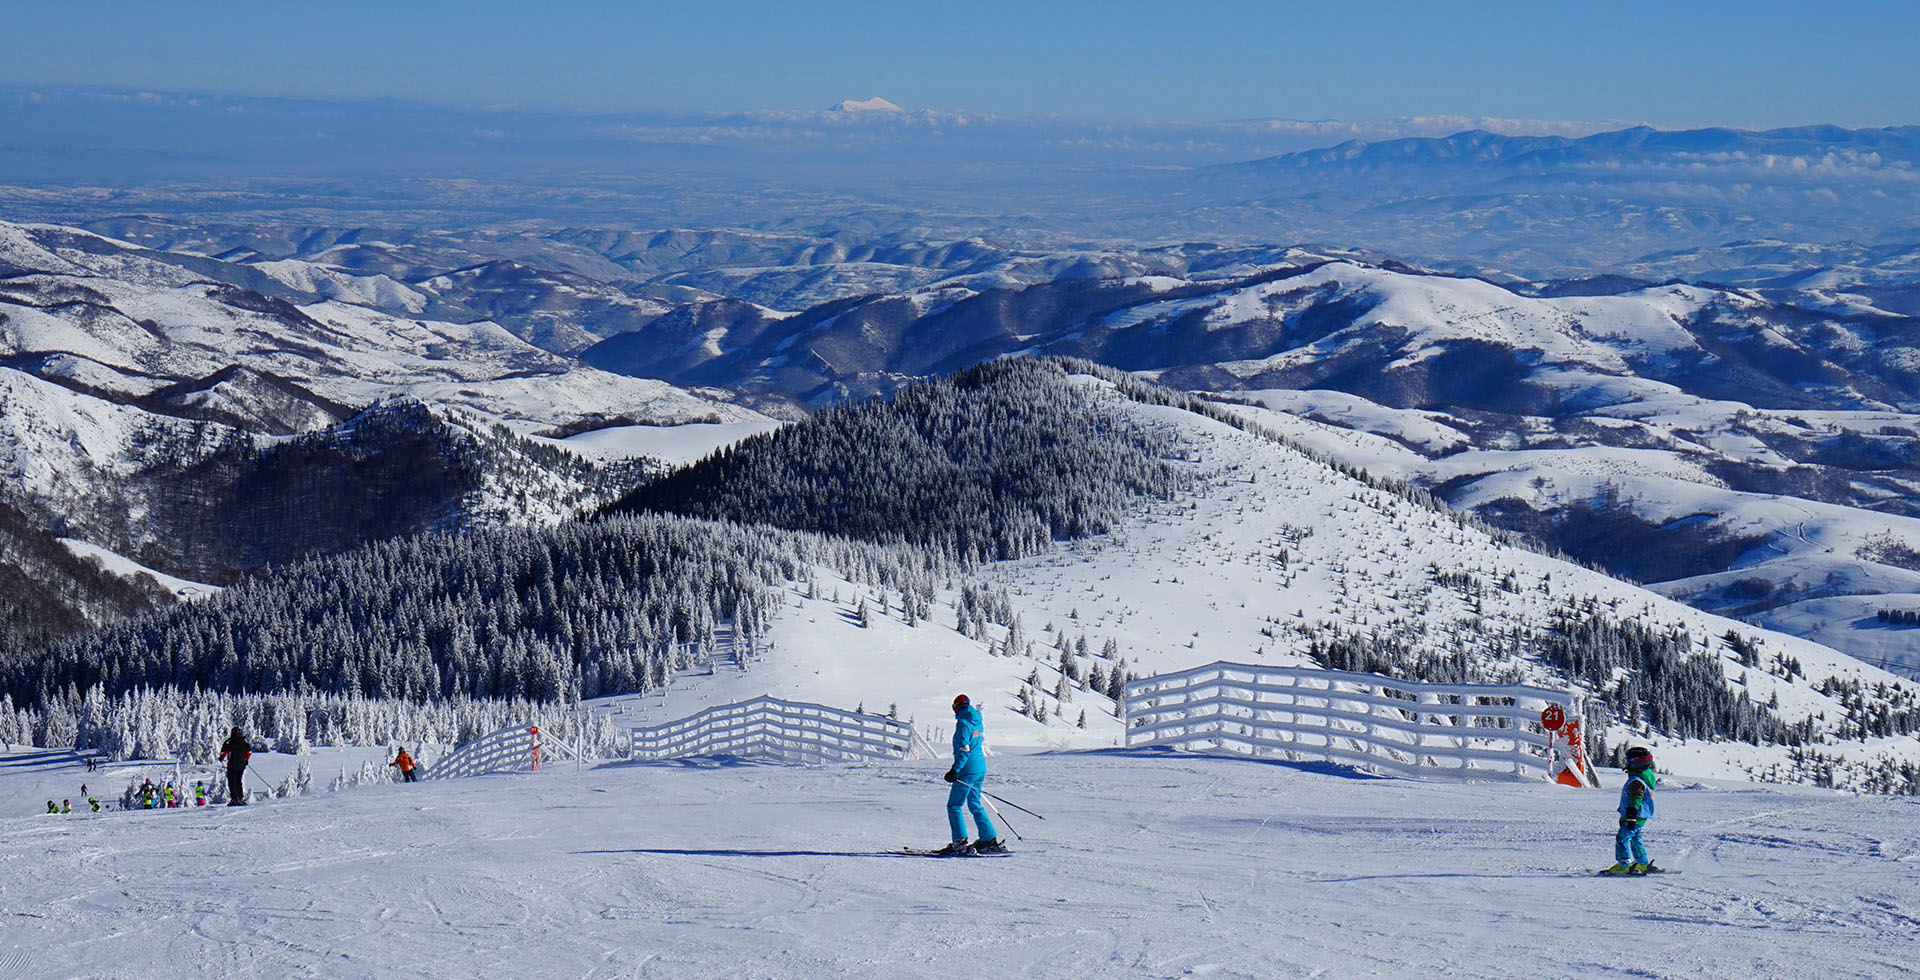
(1147, 864)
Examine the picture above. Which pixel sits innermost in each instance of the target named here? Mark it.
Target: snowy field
(1146, 866)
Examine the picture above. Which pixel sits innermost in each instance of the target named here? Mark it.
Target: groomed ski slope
(1147, 866)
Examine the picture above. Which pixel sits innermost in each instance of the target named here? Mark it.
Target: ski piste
(922, 852)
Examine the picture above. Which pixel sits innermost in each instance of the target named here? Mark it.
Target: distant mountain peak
(875, 104)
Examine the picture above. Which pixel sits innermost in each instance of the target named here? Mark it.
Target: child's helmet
(960, 701)
(1639, 759)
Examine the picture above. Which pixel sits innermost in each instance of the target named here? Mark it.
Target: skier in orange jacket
(405, 762)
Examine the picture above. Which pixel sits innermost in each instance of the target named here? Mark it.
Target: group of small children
(147, 797)
(151, 797)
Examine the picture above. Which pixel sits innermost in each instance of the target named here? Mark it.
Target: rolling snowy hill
(1222, 543)
(1260, 553)
(160, 406)
(1751, 452)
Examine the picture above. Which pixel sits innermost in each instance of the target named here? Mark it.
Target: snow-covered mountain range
(1073, 527)
(1746, 448)
(1749, 449)
(1535, 198)
(161, 406)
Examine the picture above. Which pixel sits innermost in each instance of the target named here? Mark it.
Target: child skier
(1636, 808)
(199, 794)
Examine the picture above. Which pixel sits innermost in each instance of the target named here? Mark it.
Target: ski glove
(951, 776)
(1630, 817)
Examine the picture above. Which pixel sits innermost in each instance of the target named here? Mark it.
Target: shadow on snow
(1316, 766)
(736, 852)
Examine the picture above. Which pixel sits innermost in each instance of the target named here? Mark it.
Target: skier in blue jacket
(968, 773)
(1636, 808)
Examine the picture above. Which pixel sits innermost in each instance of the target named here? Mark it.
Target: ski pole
(263, 780)
(1002, 799)
(1004, 822)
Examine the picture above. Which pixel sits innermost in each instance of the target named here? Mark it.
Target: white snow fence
(783, 731)
(515, 748)
(1378, 723)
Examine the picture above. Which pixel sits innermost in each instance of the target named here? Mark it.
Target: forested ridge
(996, 462)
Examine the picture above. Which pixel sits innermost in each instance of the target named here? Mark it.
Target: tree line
(576, 611)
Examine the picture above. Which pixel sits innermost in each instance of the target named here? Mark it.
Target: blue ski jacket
(1645, 782)
(969, 741)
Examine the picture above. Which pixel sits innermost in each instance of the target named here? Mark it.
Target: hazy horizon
(1752, 65)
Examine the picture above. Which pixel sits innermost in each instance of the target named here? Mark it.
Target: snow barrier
(786, 731)
(515, 748)
(1378, 723)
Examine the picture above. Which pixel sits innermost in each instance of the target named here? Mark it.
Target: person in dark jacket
(236, 751)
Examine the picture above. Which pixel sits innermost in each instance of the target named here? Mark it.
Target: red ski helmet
(960, 701)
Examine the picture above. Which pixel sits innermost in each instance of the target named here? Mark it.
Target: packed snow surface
(1147, 865)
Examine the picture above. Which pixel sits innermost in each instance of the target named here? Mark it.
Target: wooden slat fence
(1378, 723)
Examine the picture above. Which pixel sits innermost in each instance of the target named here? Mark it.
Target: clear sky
(1759, 63)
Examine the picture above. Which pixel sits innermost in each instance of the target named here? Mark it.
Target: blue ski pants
(1626, 844)
(965, 795)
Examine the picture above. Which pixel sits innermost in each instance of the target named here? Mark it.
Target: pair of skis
(968, 853)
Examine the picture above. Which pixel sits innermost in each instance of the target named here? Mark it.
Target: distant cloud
(1433, 125)
(1838, 164)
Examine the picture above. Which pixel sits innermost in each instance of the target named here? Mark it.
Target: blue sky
(1707, 62)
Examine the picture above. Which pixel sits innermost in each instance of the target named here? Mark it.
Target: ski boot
(989, 845)
(958, 847)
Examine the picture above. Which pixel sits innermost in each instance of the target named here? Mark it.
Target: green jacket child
(1636, 808)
